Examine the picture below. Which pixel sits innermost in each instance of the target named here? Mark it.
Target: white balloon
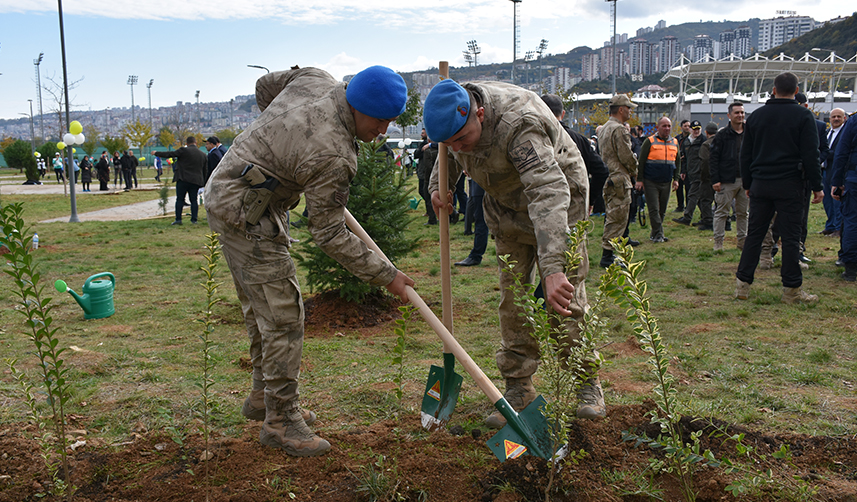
(401, 144)
(79, 138)
(68, 138)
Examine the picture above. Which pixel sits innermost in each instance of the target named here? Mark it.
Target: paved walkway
(137, 211)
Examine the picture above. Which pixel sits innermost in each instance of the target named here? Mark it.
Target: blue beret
(445, 111)
(378, 92)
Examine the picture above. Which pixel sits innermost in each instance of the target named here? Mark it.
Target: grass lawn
(758, 363)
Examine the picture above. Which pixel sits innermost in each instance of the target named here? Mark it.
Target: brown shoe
(287, 431)
(591, 396)
(798, 295)
(519, 394)
(742, 289)
(254, 408)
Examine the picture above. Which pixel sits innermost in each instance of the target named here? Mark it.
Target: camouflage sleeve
(454, 170)
(624, 150)
(547, 192)
(326, 182)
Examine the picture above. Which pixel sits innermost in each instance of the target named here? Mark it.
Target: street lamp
(514, 36)
(231, 102)
(468, 57)
(149, 87)
(198, 124)
(831, 93)
(72, 198)
(613, 50)
(528, 56)
(475, 50)
(32, 128)
(259, 67)
(132, 81)
(543, 45)
(37, 63)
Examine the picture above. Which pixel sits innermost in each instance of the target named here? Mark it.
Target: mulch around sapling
(149, 465)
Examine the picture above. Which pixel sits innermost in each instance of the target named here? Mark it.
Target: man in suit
(216, 151)
(189, 175)
(832, 206)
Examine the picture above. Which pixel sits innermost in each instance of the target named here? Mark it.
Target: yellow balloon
(74, 150)
(61, 145)
(142, 159)
(75, 127)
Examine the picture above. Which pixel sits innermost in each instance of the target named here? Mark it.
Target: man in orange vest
(658, 173)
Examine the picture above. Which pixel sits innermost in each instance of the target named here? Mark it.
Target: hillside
(840, 37)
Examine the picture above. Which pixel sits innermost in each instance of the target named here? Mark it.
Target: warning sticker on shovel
(435, 391)
(514, 450)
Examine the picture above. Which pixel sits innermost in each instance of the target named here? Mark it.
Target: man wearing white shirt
(832, 206)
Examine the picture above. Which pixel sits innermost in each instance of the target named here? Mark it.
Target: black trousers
(785, 197)
(184, 188)
(126, 174)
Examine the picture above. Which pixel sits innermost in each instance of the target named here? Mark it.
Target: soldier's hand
(675, 185)
(398, 286)
(716, 186)
(438, 204)
(559, 293)
(638, 185)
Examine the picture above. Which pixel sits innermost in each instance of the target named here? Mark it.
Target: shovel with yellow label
(526, 432)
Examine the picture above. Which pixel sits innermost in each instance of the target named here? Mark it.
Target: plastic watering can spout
(83, 301)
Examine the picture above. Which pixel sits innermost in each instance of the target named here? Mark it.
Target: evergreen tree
(378, 199)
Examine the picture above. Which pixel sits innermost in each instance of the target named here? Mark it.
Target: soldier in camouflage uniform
(536, 187)
(304, 139)
(615, 144)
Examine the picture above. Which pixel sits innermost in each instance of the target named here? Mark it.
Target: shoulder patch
(341, 198)
(524, 157)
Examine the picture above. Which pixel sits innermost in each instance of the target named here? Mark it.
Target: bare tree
(54, 89)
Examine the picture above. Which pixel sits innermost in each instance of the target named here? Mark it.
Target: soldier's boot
(718, 244)
(254, 408)
(766, 262)
(591, 396)
(606, 258)
(519, 394)
(742, 289)
(798, 295)
(287, 431)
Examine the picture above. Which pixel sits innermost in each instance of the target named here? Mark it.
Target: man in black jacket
(726, 177)
(779, 155)
(189, 175)
(216, 151)
(129, 168)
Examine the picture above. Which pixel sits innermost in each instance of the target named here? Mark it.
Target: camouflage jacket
(615, 144)
(305, 139)
(531, 171)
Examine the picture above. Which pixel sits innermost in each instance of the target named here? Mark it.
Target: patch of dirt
(326, 314)
(439, 465)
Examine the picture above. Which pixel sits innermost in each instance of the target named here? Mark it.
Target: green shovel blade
(526, 432)
(441, 394)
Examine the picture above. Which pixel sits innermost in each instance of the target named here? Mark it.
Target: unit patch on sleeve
(524, 157)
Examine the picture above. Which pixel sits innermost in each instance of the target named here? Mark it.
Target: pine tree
(378, 199)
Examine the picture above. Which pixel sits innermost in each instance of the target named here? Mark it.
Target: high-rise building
(669, 53)
(561, 80)
(777, 31)
(608, 64)
(661, 25)
(702, 47)
(743, 42)
(639, 56)
(727, 44)
(591, 67)
(622, 63)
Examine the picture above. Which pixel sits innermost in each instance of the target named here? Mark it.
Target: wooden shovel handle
(472, 369)
(445, 267)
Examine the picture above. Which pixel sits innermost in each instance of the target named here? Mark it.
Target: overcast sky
(207, 45)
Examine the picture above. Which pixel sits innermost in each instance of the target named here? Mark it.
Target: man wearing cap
(302, 143)
(616, 151)
(535, 189)
(659, 165)
(690, 148)
(683, 188)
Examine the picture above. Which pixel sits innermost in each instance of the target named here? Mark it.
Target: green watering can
(97, 299)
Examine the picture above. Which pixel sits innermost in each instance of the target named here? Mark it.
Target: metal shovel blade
(527, 432)
(441, 395)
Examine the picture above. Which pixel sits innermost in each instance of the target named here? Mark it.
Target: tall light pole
(528, 56)
(198, 124)
(37, 63)
(514, 36)
(259, 67)
(613, 51)
(231, 102)
(132, 81)
(475, 50)
(32, 129)
(149, 87)
(831, 93)
(543, 45)
(71, 176)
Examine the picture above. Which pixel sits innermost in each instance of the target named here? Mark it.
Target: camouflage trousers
(519, 355)
(617, 200)
(267, 286)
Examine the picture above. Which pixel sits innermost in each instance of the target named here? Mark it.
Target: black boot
(850, 273)
(606, 258)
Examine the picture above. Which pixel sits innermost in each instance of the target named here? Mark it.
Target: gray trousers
(657, 197)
